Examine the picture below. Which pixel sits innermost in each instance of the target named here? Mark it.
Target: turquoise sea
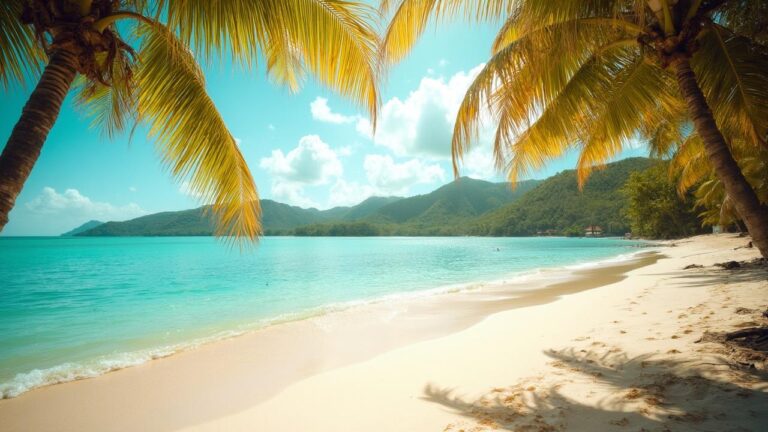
(79, 307)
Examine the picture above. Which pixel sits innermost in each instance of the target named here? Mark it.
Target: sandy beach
(618, 347)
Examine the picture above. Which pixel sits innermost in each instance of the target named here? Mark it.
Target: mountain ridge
(476, 196)
(464, 206)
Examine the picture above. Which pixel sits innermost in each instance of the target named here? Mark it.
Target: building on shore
(593, 231)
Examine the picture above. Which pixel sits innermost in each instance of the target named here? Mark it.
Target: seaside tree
(127, 66)
(654, 208)
(693, 169)
(596, 76)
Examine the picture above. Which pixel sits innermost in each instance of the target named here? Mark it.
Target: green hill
(444, 211)
(558, 205)
(179, 223)
(277, 218)
(463, 207)
(196, 222)
(368, 207)
(82, 228)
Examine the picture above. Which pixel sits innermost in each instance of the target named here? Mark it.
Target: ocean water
(78, 307)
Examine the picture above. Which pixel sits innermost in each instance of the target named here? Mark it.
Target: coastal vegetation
(613, 200)
(595, 77)
(559, 206)
(655, 209)
(126, 66)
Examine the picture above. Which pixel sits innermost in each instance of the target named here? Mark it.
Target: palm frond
(409, 19)
(335, 40)
(526, 78)
(633, 98)
(690, 164)
(568, 15)
(190, 134)
(733, 75)
(112, 107)
(20, 55)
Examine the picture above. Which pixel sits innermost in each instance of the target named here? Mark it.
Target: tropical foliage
(694, 172)
(597, 76)
(555, 206)
(654, 208)
(560, 207)
(135, 64)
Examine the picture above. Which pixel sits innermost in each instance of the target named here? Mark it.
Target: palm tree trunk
(753, 213)
(28, 136)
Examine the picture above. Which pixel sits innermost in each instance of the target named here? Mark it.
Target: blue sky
(307, 149)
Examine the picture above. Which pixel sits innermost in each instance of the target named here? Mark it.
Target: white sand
(618, 357)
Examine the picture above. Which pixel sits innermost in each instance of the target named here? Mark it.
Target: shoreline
(521, 282)
(399, 321)
(617, 351)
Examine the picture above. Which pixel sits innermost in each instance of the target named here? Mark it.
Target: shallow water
(78, 307)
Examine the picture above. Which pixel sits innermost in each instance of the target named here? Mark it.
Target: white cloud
(478, 162)
(291, 193)
(345, 151)
(186, 189)
(238, 141)
(385, 178)
(422, 124)
(443, 63)
(390, 178)
(311, 162)
(345, 193)
(364, 127)
(132, 188)
(322, 112)
(75, 208)
(271, 127)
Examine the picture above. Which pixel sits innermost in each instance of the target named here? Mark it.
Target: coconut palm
(597, 76)
(693, 171)
(127, 67)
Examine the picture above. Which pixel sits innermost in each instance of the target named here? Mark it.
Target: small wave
(72, 371)
(618, 259)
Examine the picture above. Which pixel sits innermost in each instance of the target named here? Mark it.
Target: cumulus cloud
(422, 123)
(390, 178)
(322, 112)
(311, 162)
(385, 178)
(73, 203)
(51, 212)
(345, 193)
(291, 193)
(186, 189)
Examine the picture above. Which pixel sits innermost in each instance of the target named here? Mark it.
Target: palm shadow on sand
(643, 393)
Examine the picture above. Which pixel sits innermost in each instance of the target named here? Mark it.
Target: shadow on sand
(606, 390)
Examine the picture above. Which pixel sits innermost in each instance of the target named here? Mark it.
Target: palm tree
(692, 169)
(596, 76)
(144, 71)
